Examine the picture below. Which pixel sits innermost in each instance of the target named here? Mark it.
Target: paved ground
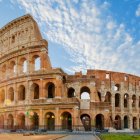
(7, 136)
(79, 137)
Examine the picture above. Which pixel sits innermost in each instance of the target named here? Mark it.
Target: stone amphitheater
(35, 95)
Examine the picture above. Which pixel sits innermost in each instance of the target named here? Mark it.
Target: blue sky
(85, 34)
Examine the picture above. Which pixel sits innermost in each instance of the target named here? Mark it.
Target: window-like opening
(99, 121)
(125, 78)
(108, 97)
(50, 90)
(117, 100)
(50, 121)
(126, 98)
(3, 71)
(13, 39)
(134, 101)
(13, 67)
(71, 92)
(86, 121)
(117, 87)
(11, 94)
(85, 93)
(24, 66)
(37, 63)
(10, 121)
(35, 91)
(1, 121)
(21, 93)
(107, 76)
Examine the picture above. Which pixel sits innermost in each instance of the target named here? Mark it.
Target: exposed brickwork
(48, 97)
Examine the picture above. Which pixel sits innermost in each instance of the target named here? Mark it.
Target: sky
(85, 34)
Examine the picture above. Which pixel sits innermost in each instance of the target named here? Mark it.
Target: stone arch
(117, 122)
(23, 65)
(36, 62)
(66, 121)
(85, 93)
(21, 121)
(108, 97)
(34, 121)
(12, 67)
(134, 123)
(99, 120)
(86, 121)
(10, 121)
(1, 121)
(117, 100)
(117, 87)
(50, 90)
(50, 121)
(126, 121)
(126, 100)
(35, 91)
(11, 94)
(71, 92)
(21, 93)
(2, 96)
(133, 100)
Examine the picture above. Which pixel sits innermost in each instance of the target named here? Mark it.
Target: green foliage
(119, 137)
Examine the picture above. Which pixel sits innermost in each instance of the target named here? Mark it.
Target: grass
(119, 137)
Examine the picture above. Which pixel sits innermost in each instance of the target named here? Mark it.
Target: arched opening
(11, 94)
(35, 91)
(108, 97)
(21, 93)
(21, 121)
(10, 121)
(134, 101)
(125, 122)
(99, 119)
(117, 122)
(134, 123)
(50, 89)
(66, 119)
(126, 99)
(2, 96)
(85, 93)
(50, 121)
(71, 92)
(12, 67)
(117, 100)
(117, 87)
(37, 63)
(1, 122)
(86, 121)
(35, 121)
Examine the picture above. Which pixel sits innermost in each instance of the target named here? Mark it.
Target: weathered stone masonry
(35, 95)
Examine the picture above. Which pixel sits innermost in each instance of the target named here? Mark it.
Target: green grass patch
(119, 137)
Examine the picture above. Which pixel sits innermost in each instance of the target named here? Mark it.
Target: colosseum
(35, 95)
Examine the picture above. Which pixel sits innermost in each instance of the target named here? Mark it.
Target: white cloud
(138, 11)
(91, 37)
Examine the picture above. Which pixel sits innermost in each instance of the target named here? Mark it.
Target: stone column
(41, 119)
(57, 119)
(130, 122)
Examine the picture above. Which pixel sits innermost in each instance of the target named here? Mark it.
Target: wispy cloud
(138, 11)
(87, 31)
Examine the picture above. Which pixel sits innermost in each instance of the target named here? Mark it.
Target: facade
(34, 95)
